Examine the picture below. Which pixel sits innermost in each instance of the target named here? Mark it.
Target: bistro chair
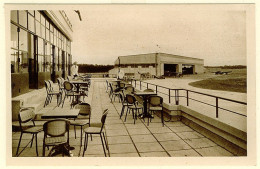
(99, 130)
(82, 119)
(50, 93)
(55, 132)
(60, 84)
(26, 122)
(127, 90)
(70, 92)
(155, 103)
(114, 92)
(133, 105)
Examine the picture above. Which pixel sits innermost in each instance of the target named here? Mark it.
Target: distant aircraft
(221, 73)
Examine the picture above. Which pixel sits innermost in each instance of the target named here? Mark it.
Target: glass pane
(31, 23)
(47, 34)
(37, 16)
(51, 37)
(23, 42)
(47, 24)
(40, 46)
(54, 40)
(43, 32)
(14, 37)
(14, 61)
(14, 15)
(40, 63)
(38, 28)
(60, 59)
(56, 59)
(51, 28)
(23, 61)
(23, 18)
(31, 12)
(42, 20)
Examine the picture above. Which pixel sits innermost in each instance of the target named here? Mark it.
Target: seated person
(74, 70)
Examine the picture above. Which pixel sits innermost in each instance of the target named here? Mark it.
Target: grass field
(236, 81)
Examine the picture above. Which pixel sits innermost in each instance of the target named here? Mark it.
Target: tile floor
(126, 139)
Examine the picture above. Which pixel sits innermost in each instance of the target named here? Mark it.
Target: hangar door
(170, 69)
(187, 69)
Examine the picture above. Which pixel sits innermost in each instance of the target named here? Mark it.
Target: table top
(60, 113)
(79, 82)
(145, 93)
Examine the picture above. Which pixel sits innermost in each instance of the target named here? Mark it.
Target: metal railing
(168, 92)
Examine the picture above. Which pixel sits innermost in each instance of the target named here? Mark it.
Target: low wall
(20, 83)
(41, 77)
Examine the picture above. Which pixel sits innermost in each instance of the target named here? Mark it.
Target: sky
(215, 33)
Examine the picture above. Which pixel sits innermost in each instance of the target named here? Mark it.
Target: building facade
(158, 64)
(40, 48)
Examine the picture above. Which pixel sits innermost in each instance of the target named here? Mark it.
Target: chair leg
(81, 133)
(75, 131)
(126, 113)
(122, 111)
(162, 118)
(36, 146)
(32, 140)
(103, 145)
(19, 143)
(85, 144)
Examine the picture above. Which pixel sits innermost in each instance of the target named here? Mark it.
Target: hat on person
(75, 63)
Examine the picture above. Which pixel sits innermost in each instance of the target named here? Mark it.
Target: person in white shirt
(74, 70)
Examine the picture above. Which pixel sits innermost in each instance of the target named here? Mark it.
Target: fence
(174, 96)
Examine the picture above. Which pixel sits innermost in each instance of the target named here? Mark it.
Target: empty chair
(69, 92)
(60, 84)
(155, 103)
(132, 105)
(114, 92)
(55, 132)
(26, 121)
(50, 93)
(82, 119)
(99, 130)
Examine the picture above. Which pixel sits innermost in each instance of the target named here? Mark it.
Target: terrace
(182, 135)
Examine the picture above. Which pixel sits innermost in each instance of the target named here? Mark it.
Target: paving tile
(149, 147)
(154, 154)
(125, 155)
(175, 145)
(114, 121)
(119, 139)
(189, 135)
(181, 129)
(213, 151)
(120, 132)
(137, 125)
(143, 138)
(184, 153)
(94, 149)
(160, 130)
(200, 143)
(114, 126)
(166, 136)
(153, 125)
(122, 148)
(138, 131)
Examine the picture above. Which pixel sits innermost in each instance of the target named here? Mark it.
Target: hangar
(158, 64)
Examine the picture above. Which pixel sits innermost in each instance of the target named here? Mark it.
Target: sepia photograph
(150, 84)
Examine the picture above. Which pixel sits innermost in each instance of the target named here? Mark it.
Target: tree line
(90, 68)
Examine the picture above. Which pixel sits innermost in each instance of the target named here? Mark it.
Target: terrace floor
(126, 139)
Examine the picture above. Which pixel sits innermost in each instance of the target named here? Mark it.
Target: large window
(23, 18)
(40, 55)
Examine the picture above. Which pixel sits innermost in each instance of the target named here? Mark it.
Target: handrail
(177, 96)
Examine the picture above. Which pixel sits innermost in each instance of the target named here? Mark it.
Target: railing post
(156, 89)
(216, 107)
(147, 86)
(177, 97)
(169, 95)
(140, 85)
(187, 97)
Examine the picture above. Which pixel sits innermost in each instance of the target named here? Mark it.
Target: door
(33, 57)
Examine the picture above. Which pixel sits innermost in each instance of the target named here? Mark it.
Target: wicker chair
(55, 132)
(51, 92)
(26, 121)
(133, 105)
(69, 92)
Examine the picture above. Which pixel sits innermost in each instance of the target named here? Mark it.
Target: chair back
(85, 109)
(51, 85)
(148, 90)
(59, 82)
(155, 100)
(47, 86)
(103, 118)
(26, 115)
(130, 99)
(56, 128)
(68, 86)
